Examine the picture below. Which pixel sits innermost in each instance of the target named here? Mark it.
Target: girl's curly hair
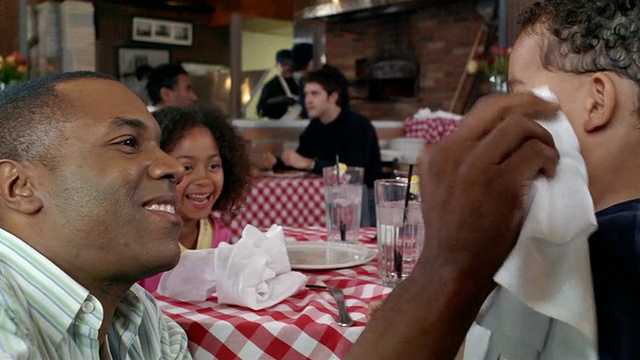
(588, 35)
(175, 122)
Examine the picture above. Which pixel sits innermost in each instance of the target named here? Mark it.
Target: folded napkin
(255, 272)
(544, 305)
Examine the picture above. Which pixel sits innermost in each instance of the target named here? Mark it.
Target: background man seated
(333, 131)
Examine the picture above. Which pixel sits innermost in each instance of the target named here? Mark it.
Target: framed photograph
(130, 58)
(162, 31)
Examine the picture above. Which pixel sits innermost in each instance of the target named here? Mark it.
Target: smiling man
(87, 208)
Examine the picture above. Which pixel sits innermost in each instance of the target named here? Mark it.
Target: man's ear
(166, 94)
(334, 97)
(17, 189)
(601, 104)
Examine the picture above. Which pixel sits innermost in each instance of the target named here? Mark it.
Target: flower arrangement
(495, 66)
(13, 68)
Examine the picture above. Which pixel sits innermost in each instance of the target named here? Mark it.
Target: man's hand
(475, 184)
(475, 187)
(295, 160)
(263, 161)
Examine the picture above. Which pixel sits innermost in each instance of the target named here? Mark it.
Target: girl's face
(203, 179)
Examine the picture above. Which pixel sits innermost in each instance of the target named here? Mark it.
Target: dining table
(294, 198)
(303, 326)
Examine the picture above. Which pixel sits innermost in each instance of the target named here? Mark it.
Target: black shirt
(615, 265)
(273, 103)
(351, 136)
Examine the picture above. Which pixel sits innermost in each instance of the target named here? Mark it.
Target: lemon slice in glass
(415, 185)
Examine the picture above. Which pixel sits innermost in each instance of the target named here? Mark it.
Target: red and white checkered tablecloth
(432, 129)
(300, 327)
(286, 201)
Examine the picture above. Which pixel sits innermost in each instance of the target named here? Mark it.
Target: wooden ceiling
(221, 10)
(207, 6)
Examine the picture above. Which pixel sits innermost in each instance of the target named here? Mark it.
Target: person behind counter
(217, 175)
(170, 85)
(280, 94)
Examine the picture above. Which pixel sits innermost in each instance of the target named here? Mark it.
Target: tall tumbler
(343, 201)
(400, 229)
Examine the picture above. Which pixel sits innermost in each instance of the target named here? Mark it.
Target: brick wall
(439, 36)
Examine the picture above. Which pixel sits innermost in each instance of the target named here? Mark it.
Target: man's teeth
(162, 207)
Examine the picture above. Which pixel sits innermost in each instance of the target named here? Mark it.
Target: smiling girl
(217, 174)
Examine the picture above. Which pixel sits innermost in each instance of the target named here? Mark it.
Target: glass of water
(343, 201)
(400, 228)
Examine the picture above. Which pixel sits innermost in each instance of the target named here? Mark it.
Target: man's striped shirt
(45, 314)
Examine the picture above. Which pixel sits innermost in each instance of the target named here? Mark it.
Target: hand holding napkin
(544, 306)
(255, 272)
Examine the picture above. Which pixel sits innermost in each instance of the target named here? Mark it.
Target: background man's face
(316, 100)
(182, 94)
(285, 67)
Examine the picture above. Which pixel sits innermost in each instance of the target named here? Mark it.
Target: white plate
(323, 255)
(289, 174)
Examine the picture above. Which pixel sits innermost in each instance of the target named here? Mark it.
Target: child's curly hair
(587, 36)
(175, 122)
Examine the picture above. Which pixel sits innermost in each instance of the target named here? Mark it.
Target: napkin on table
(544, 306)
(254, 272)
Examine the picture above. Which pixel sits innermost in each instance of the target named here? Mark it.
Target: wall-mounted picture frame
(130, 58)
(162, 31)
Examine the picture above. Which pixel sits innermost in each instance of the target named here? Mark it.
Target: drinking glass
(400, 229)
(343, 201)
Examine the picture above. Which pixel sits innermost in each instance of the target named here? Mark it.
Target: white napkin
(544, 306)
(426, 113)
(255, 272)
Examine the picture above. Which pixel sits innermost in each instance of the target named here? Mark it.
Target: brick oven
(400, 56)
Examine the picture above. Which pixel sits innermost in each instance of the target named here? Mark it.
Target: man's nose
(165, 166)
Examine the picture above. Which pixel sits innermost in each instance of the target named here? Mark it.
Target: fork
(344, 319)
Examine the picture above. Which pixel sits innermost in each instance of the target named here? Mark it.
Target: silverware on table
(344, 319)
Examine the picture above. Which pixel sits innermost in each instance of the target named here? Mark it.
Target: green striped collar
(54, 296)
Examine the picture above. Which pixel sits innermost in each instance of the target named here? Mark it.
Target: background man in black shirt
(333, 131)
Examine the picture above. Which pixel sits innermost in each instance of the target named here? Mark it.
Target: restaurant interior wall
(9, 26)
(114, 27)
(440, 34)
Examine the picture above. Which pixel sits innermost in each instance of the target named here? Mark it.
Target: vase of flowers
(495, 66)
(13, 68)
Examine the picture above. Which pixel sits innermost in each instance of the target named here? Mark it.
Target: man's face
(317, 101)
(110, 201)
(198, 153)
(182, 94)
(526, 73)
(284, 67)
